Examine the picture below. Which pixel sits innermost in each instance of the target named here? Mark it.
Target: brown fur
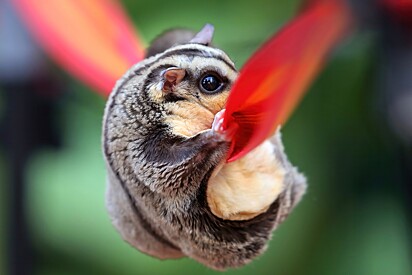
(190, 118)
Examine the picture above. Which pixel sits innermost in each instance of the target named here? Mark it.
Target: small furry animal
(170, 191)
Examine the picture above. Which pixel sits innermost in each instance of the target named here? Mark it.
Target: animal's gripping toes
(217, 126)
(170, 191)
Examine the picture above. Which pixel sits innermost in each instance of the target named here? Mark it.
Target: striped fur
(170, 193)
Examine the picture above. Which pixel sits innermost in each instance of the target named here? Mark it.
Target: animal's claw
(217, 126)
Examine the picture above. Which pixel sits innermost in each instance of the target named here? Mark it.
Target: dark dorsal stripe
(186, 52)
(199, 53)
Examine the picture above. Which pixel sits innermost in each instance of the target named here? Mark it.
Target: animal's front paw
(217, 127)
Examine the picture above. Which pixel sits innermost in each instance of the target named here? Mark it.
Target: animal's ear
(205, 35)
(169, 39)
(172, 77)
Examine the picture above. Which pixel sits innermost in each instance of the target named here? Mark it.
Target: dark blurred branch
(395, 85)
(30, 94)
(28, 124)
(391, 20)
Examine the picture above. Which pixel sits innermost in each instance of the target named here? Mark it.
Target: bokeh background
(352, 143)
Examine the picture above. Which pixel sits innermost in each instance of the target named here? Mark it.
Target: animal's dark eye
(210, 83)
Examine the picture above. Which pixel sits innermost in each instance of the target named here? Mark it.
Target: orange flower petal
(93, 40)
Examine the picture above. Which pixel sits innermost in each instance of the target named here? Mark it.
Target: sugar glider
(170, 191)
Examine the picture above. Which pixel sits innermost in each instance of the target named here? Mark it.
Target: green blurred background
(354, 218)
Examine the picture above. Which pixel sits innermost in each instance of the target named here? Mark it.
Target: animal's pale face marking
(192, 110)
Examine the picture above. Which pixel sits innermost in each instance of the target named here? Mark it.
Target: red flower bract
(94, 40)
(274, 79)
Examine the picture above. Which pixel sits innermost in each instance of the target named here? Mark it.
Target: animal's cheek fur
(195, 114)
(187, 118)
(247, 187)
(155, 93)
(214, 102)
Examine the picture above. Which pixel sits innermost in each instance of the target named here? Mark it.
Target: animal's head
(187, 84)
